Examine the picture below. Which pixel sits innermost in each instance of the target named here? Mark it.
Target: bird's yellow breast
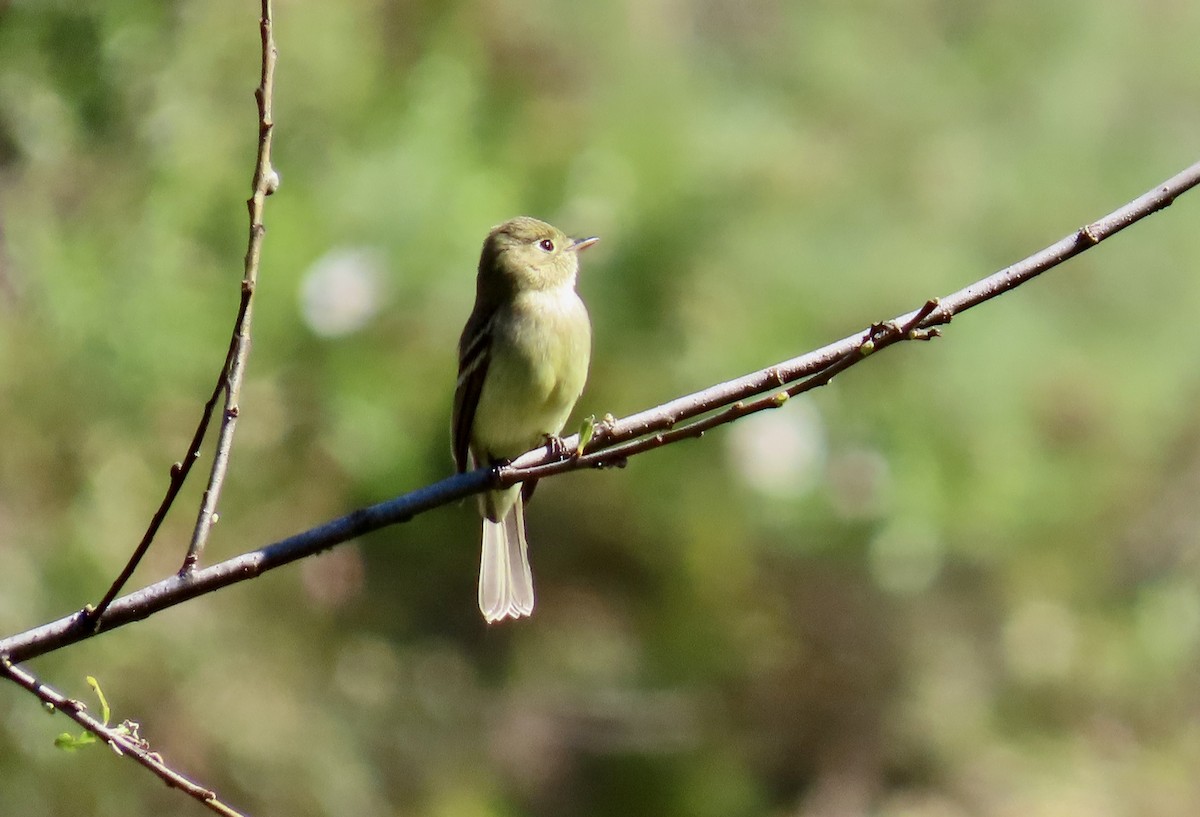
(538, 366)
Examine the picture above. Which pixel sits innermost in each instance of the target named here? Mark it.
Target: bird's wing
(474, 355)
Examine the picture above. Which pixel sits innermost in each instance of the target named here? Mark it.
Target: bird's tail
(505, 580)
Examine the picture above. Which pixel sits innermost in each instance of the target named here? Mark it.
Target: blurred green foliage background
(962, 580)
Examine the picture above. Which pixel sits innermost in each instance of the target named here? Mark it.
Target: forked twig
(179, 474)
(229, 378)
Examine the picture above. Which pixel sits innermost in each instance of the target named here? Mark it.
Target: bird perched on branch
(522, 362)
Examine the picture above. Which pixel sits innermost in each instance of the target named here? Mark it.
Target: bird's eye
(546, 244)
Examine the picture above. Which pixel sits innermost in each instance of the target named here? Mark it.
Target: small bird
(522, 362)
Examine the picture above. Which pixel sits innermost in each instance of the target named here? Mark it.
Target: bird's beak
(583, 243)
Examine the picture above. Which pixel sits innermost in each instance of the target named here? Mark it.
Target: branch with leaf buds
(123, 738)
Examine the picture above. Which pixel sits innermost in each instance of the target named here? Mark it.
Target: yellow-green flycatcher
(522, 362)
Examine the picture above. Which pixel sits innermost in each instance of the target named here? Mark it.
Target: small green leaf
(104, 710)
(586, 431)
(71, 743)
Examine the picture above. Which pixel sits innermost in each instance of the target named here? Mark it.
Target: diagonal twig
(121, 742)
(932, 314)
(613, 441)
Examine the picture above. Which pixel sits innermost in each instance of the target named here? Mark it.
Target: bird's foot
(556, 447)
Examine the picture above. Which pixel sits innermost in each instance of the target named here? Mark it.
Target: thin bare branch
(119, 740)
(230, 377)
(614, 441)
(264, 184)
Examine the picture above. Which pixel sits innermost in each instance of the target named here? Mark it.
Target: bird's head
(525, 253)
